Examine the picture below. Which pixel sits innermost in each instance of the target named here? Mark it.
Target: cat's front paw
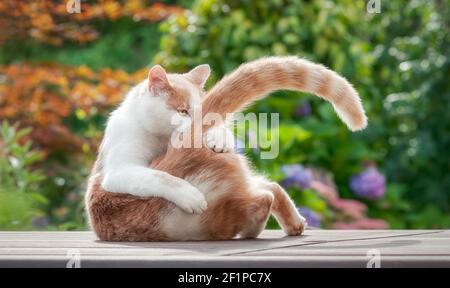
(219, 139)
(191, 200)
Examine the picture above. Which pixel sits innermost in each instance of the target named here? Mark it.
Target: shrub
(20, 199)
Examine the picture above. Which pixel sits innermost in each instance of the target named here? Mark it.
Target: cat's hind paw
(297, 227)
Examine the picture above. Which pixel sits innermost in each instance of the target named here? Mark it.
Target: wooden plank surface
(316, 248)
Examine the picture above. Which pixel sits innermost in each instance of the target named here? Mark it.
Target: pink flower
(325, 190)
(364, 223)
(352, 208)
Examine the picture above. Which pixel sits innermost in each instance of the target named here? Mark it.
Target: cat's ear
(199, 74)
(157, 78)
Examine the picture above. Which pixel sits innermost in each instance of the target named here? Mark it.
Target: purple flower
(369, 184)
(303, 110)
(312, 218)
(297, 175)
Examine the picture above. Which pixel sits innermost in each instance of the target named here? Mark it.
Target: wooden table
(316, 248)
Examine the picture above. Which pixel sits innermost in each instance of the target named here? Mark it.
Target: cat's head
(171, 99)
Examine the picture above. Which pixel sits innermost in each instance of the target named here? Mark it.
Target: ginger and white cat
(140, 129)
(239, 202)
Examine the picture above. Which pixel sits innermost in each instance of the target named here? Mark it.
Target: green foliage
(412, 68)
(20, 199)
(398, 61)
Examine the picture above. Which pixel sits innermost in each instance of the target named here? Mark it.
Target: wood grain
(316, 248)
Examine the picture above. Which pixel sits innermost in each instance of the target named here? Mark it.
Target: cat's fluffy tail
(254, 80)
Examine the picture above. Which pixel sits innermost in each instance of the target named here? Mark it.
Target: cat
(139, 130)
(239, 201)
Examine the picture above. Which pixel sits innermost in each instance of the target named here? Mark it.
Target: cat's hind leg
(243, 214)
(258, 212)
(284, 209)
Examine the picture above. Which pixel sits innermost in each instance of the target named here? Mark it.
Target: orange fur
(239, 202)
(178, 97)
(254, 80)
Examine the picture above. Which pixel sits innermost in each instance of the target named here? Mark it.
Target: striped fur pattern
(239, 201)
(254, 80)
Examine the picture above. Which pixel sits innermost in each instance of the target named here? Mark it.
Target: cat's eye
(183, 112)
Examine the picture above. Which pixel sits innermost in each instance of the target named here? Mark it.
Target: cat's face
(171, 99)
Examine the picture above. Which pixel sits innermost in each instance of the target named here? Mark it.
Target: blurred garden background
(62, 73)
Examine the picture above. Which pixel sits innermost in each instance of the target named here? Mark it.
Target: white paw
(191, 200)
(220, 139)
